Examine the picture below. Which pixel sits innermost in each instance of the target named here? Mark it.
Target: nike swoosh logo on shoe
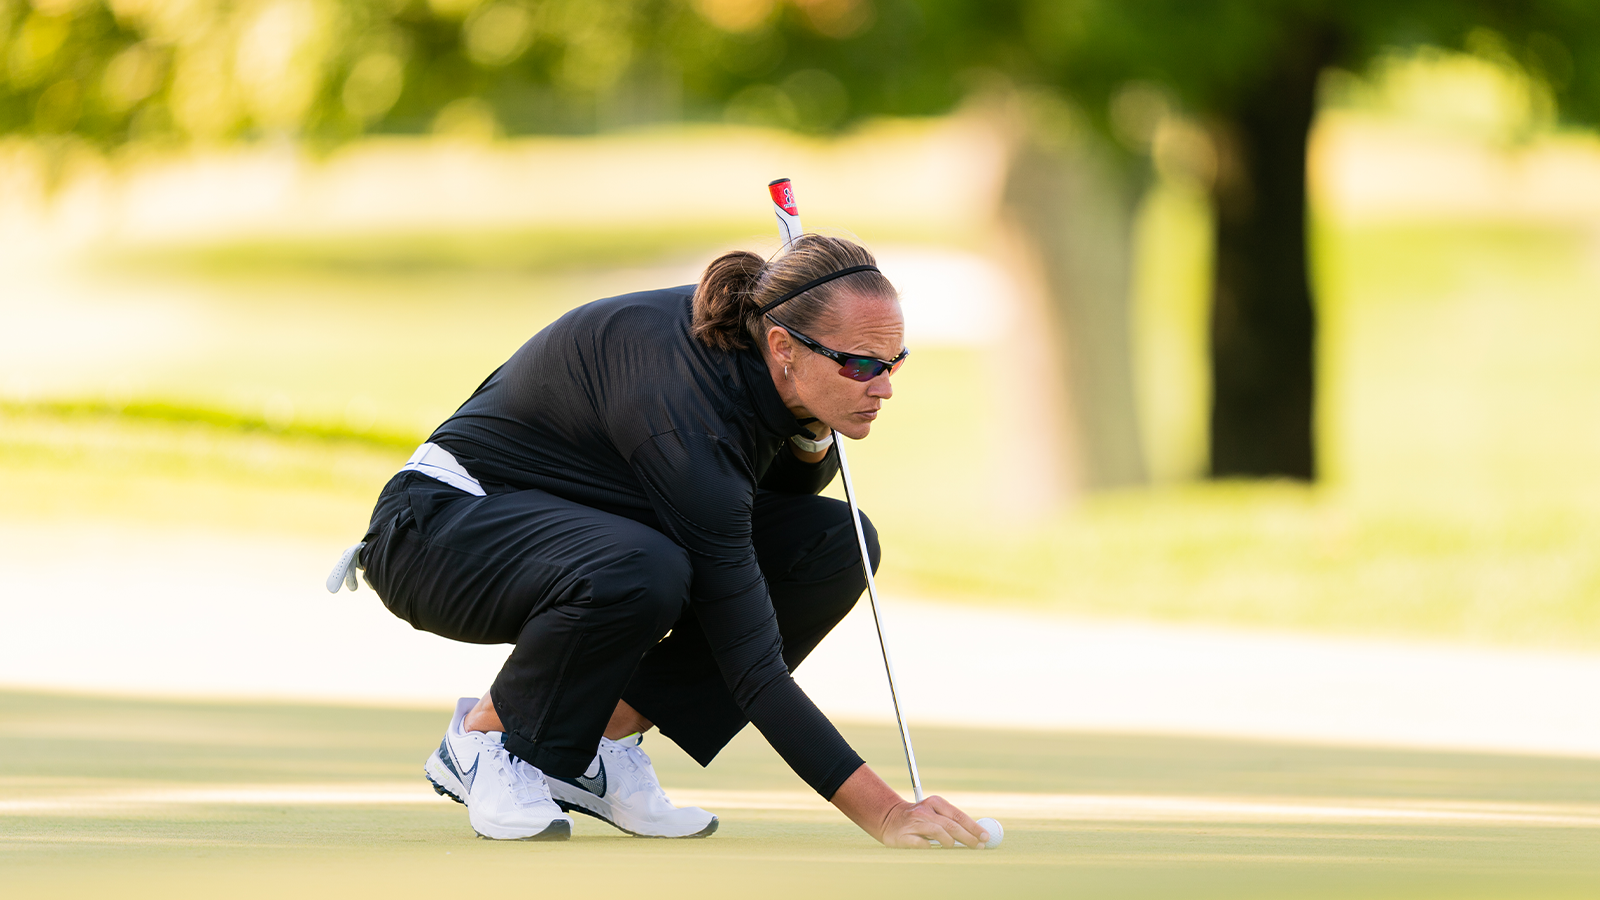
(595, 785)
(449, 757)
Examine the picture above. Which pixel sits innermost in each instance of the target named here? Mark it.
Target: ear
(780, 347)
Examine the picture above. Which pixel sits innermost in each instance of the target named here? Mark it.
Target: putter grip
(784, 207)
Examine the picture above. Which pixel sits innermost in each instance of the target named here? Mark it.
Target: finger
(962, 826)
(967, 836)
(935, 831)
(950, 811)
(911, 840)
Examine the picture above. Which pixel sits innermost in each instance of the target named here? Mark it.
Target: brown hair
(737, 284)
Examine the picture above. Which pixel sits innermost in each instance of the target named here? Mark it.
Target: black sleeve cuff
(839, 776)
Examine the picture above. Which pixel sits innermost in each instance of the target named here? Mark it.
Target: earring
(786, 371)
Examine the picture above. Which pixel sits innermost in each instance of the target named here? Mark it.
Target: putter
(877, 619)
(782, 192)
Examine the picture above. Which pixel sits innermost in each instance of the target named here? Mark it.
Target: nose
(880, 388)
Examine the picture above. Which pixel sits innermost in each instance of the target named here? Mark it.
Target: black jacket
(617, 407)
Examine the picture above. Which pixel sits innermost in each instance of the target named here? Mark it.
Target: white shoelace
(531, 788)
(528, 786)
(637, 762)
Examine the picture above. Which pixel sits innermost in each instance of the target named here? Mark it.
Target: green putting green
(130, 798)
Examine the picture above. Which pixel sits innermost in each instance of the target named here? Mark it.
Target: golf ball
(996, 833)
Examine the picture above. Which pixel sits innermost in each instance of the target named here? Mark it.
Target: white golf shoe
(506, 798)
(620, 787)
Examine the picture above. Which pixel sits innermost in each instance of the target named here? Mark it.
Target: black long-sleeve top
(616, 406)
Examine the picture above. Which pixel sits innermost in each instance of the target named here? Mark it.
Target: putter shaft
(877, 616)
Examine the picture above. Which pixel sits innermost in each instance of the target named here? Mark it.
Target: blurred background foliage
(329, 69)
(1246, 74)
(119, 70)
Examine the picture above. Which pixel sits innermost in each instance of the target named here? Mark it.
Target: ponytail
(724, 301)
(729, 299)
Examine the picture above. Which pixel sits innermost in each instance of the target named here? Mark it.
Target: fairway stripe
(1147, 808)
(1060, 807)
(1144, 808)
(231, 795)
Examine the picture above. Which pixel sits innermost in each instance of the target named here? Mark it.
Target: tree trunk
(1263, 325)
(1069, 199)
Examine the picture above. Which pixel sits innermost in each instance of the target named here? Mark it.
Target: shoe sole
(444, 782)
(441, 790)
(555, 831)
(705, 832)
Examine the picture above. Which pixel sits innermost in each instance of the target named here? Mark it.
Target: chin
(855, 431)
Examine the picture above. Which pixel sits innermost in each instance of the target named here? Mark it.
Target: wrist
(888, 814)
(866, 800)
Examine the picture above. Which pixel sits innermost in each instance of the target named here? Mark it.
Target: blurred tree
(116, 71)
(1248, 72)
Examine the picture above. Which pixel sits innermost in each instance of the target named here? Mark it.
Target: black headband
(813, 283)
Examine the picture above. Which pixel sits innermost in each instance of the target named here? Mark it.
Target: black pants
(586, 596)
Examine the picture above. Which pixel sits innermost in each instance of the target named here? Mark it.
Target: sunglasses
(852, 366)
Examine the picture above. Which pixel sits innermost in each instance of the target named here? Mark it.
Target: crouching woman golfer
(631, 500)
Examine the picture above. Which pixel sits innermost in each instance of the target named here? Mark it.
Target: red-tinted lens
(865, 368)
(861, 368)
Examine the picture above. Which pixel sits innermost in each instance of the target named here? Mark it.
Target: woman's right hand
(895, 822)
(918, 826)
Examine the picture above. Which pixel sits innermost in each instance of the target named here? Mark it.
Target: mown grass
(55, 746)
